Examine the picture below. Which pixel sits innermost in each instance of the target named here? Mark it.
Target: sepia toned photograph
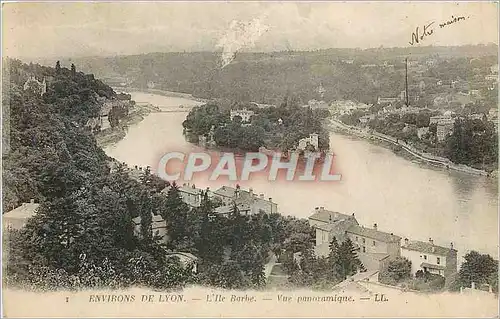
(250, 159)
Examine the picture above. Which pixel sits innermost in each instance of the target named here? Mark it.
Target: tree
(58, 67)
(73, 70)
(478, 268)
(344, 259)
(395, 271)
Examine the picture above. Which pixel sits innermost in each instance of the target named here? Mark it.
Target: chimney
(322, 208)
(352, 214)
(431, 241)
(261, 196)
(473, 285)
(407, 241)
(330, 218)
(375, 226)
(451, 246)
(251, 192)
(316, 208)
(271, 199)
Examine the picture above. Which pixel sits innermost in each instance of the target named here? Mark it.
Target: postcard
(250, 159)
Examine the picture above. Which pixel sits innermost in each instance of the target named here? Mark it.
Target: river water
(409, 199)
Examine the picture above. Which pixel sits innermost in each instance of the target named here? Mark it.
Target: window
(364, 240)
(364, 249)
(438, 260)
(425, 257)
(157, 233)
(373, 243)
(357, 238)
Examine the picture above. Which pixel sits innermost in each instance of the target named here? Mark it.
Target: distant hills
(267, 77)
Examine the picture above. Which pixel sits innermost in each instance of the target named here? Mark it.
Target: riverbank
(407, 151)
(162, 93)
(110, 136)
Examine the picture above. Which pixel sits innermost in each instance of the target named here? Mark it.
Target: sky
(106, 28)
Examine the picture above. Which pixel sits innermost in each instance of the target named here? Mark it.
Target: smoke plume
(240, 35)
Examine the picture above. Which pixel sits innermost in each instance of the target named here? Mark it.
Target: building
(346, 107)
(494, 69)
(311, 141)
(328, 224)
(16, 219)
(189, 194)
(375, 247)
(387, 100)
(158, 227)
(366, 118)
(427, 256)
(185, 259)
(256, 203)
(244, 114)
(317, 105)
(35, 86)
(444, 125)
(243, 209)
(491, 77)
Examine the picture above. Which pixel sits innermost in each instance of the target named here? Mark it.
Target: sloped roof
(426, 247)
(26, 210)
(374, 234)
(326, 216)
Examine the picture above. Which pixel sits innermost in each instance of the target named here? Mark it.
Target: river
(409, 199)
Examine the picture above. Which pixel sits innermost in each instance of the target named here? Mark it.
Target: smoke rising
(240, 35)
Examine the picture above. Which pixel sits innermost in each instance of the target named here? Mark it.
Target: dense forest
(274, 128)
(267, 77)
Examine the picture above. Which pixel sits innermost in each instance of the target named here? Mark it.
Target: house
(346, 107)
(366, 118)
(374, 246)
(444, 125)
(185, 259)
(35, 86)
(189, 194)
(317, 105)
(158, 227)
(348, 61)
(328, 224)
(311, 141)
(427, 256)
(16, 219)
(387, 100)
(257, 203)
(244, 114)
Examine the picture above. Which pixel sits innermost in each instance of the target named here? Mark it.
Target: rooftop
(26, 210)
(374, 234)
(323, 215)
(427, 247)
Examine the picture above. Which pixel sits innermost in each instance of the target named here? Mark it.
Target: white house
(16, 219)
(244, 114)
(312, 140)
(427, 256)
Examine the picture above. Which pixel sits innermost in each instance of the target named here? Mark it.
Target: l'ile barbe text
(229, 298)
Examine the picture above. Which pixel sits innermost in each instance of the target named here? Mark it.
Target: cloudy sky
(78, 29)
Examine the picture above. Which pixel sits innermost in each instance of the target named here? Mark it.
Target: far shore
(336, 126)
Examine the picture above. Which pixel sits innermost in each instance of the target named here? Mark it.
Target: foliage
(480, 269)
(395, 271)
(473, 142)
(265, 130)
